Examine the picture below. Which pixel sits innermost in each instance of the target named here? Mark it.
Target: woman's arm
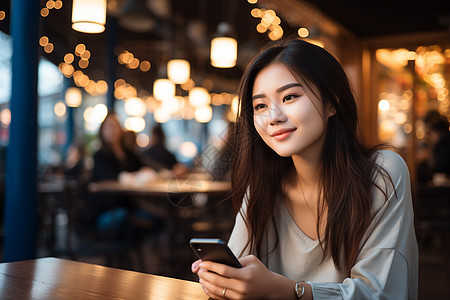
(387, 265)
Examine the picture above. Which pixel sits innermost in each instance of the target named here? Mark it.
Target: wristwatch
(299, 289)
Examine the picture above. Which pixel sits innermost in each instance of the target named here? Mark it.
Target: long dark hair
(346, 165)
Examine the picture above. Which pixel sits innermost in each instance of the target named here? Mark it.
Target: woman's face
(111, 131)
(286, 118)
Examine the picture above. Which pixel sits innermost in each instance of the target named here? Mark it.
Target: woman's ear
(331, 110)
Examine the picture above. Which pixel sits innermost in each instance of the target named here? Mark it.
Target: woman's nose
(276, 115)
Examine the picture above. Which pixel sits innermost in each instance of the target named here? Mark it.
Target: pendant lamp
(178, 71)
(223, 48)
(89, 16)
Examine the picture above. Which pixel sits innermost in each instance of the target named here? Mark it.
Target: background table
(54, 278)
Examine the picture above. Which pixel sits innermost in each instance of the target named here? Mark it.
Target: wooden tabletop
(163, 187)
(54, 278)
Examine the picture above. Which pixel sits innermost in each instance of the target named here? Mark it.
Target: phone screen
(214, 250)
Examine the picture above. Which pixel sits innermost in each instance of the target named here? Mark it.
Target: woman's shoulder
(391, 162)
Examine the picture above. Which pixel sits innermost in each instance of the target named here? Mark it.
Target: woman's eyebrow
(288, 86)
(279, 90)
(257, 96)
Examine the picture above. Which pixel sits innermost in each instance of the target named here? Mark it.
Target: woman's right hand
(253, 280)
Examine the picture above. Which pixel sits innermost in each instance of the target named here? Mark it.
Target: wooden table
(54, 278)
(163, 187)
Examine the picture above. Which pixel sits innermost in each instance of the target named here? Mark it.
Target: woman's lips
(282, 134)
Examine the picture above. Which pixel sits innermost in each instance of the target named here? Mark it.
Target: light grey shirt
(387, 263)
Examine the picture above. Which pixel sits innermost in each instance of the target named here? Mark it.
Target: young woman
(319, 215)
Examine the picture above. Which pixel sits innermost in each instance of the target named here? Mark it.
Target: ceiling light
(163, 89)
(223, 52)
(89, 16)
(178, 71)
(199, 96)
(73, 97)
(223, 48)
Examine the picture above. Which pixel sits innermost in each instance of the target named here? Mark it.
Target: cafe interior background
(152, 61)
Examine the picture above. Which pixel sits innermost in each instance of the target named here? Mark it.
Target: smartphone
(214, 250)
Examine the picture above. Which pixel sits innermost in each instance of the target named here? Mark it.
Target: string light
(270, 23)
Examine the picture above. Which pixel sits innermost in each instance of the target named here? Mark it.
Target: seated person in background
(440, 138)
(113, 157)
(158, 157)
(117, 215)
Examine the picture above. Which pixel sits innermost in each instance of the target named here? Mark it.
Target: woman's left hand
(253, 280)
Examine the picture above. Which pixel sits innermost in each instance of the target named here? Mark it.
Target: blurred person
(319, 215)
(439, 136)
(118, 215)
(113, 157)
(158, 157)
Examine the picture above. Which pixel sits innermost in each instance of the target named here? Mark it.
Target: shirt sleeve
(387, 264)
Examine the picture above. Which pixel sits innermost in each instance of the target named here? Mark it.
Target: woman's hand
(253, 280)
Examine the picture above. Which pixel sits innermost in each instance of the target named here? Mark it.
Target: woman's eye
(288, 97)
(259, 106)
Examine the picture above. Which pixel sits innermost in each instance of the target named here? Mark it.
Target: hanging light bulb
(178, 71)
(163, 89)
(223, 48)
(199, 96)
(135, 107)
(223, 52)
(203, 114)
(89, 16)
(73, 97)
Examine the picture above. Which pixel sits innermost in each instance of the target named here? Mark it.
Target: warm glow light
(58, 4)
(199, 96)
(234, 108)
(163, 89)
(86, 54)
(135, 107)
(48, 48)
(45, 12)
(252, 1)
(161, 116)
(171, 105)
(2, 15)
(407, 128)
(83, 63)
(303, 32)
(80, 48)
(142, 140)
(203, 114)
(223, 52)
(68, 58)
(5, 117)
(89, 16)
(101, 87)
(99, 113)
(188, 149)
(135, 124)
(383, 105)
(178, 71)
(60, 109)
(50, 4)
(145, 66)
(188, 85)
(133, 64)
(43, 41)
(73, 97)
